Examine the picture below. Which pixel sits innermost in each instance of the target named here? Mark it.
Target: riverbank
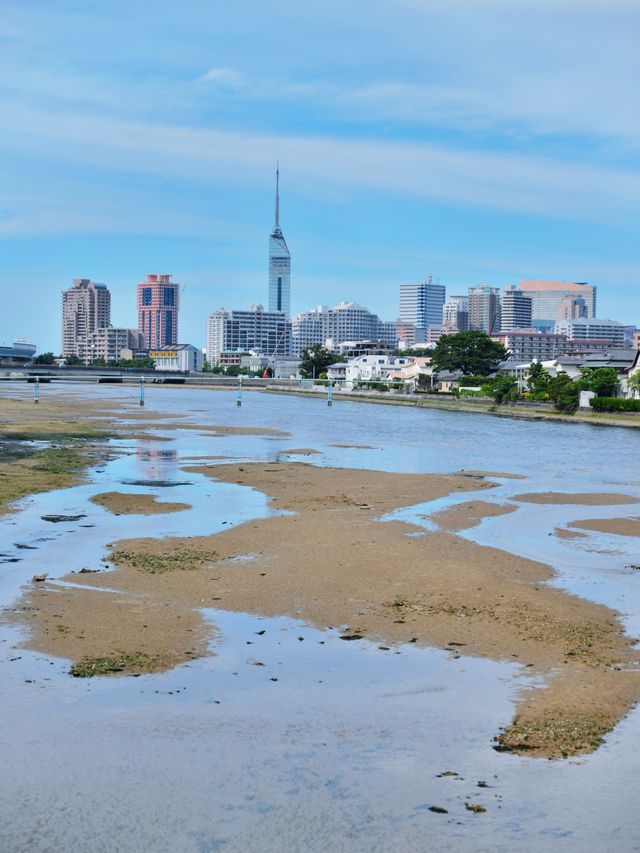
(481, 407)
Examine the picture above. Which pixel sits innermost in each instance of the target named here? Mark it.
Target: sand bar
(617, 526)
(578, 499)
(124, 503)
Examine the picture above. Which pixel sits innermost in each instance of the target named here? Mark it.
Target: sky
(479, 142)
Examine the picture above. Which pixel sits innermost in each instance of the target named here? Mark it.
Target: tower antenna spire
(277, 226)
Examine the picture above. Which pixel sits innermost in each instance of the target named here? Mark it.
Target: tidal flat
(482, 644)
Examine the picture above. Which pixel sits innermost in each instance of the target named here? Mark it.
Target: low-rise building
(18, 353)
(372, 368)
(184, 358)
(109, 343)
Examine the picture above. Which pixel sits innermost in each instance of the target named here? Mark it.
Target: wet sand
(617, 526)
(123, 503)
(466, 515)
(584, 499)
(333, 563)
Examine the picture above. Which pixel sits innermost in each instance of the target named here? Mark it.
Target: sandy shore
(333, 563)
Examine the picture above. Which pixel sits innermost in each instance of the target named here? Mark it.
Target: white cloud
(223, 77)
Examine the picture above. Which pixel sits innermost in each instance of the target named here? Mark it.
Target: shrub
(614, 404)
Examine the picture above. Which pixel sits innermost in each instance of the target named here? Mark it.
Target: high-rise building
(279, 264)
(421, 304)
(158, 305)
(484, 309)
(572, 308)
(515, 310)
(331, 327)
(265, 332)
(86, 306)
(548, 295)
(455, 314)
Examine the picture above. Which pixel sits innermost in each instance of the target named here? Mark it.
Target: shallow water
(343, 751)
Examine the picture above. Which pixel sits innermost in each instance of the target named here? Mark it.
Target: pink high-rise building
(158, 304)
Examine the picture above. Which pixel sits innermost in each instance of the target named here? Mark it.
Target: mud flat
(330, 561)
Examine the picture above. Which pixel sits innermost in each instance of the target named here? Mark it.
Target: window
(146, 296)
(169, 296)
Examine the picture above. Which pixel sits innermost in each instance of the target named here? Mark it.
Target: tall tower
(158, 305)
(279, 263)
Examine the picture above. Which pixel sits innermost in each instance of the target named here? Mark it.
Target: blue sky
(482, 142)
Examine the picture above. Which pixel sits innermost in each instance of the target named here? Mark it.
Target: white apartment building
(109, 343)
(592, 328)
(331, 327)
(266, 332)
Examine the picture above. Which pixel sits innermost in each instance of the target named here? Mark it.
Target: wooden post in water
(330, 393)
(239, 400)
(36, 391)
(142, 390)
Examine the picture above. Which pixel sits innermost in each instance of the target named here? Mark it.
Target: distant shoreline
(450, 404)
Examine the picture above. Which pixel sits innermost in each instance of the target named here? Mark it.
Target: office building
(455, 314)
(158, 306)
(484, 309)
(279, 264)
(515, 310)
(86, 306)
(548, 297)
(257, 330)
(421, 305)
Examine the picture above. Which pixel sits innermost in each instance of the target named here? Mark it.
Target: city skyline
(522, 167)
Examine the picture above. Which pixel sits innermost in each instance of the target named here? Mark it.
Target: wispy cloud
(545, 186)
(223, 77)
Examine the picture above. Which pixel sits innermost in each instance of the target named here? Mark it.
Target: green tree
(505, 388)
(315, 360)
(470, 352)
(45, 358)
(98, 362)
(603, 381)
(634, 382)
(538, 379)
(72, 360)
(564, 393)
